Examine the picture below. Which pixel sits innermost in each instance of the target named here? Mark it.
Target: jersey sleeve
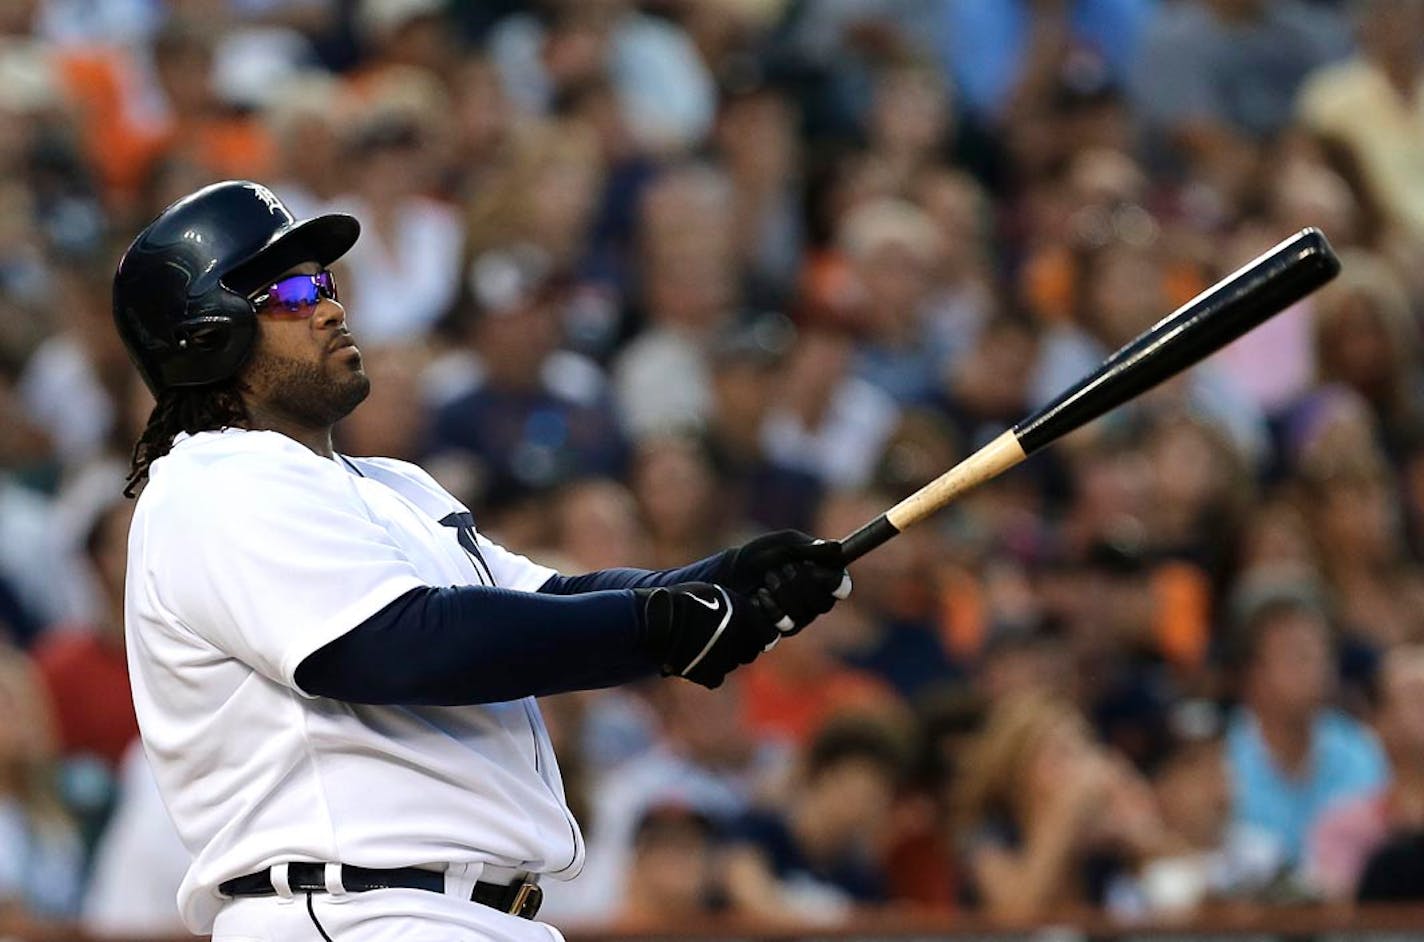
(510, 570)
(269, 561)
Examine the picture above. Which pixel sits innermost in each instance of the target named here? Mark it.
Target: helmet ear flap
(215, 340)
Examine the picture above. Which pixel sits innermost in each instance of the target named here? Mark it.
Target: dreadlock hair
(190, 409)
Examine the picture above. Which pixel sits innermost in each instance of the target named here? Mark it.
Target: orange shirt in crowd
(101, 83)
(1181, 614)
(793, 708)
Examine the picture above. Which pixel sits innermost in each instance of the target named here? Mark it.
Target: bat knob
(1312, 246)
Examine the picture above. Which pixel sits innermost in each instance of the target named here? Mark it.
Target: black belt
(517, 899)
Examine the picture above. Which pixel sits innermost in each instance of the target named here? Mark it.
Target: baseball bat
(1231, 307)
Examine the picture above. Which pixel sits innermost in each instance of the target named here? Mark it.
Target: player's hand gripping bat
(1211, 320)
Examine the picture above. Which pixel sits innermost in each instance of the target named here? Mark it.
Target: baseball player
(333, 670)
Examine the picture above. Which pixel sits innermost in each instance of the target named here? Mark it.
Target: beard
(306, 393)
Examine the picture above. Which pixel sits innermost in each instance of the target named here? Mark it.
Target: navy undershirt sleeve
(704, 570)
(479, 644)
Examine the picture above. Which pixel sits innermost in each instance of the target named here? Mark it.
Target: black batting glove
(703, 632)
(791, 577)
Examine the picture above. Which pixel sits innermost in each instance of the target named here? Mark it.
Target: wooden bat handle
(993, 459)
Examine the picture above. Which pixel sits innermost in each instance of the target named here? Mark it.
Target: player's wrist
(655, 625)
(726, 571)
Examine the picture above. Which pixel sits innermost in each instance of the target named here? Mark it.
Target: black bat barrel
(1199, 328)
(1208, 322)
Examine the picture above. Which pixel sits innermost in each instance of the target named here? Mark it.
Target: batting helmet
(181, 289)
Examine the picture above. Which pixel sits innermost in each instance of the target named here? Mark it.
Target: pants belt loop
(460, 879)
(332, 875)
(280, 883)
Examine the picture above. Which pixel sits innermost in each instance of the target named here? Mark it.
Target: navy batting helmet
(181, 289)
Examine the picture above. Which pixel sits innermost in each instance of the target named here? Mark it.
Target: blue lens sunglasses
(296, 295)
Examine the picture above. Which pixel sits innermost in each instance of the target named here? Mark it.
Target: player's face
(306, 365)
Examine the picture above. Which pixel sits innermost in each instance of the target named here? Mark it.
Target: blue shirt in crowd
(1345, 761)
(985, 45)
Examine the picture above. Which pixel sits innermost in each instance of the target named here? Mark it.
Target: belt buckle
(527, 900)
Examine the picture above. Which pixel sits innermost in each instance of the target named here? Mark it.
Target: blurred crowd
(639, 280)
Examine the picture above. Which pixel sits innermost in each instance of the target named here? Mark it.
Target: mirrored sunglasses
(296, 295)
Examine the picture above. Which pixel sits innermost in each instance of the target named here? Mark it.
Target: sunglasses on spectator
(296, 295)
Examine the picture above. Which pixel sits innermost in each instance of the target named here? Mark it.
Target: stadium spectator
(483, 122)
(1291, 755)
(1013, 662)
(793, 694)
(596, 526)
(892, 631)
(987, 390)
(674, 869)
(755, 137)
(534, 416)
(84, 667)
(747, 385)
(403, 274)
(827, 422)
(70, 381)
(1217, 860)
(677, 491)
(404, 34)
(893, 250)
(41, 859)
(197, 122)
(1366, 107)
(909, 123)
(1201, 490)
(1350, 832)
(689, 293)
(700, 758)
(809, 863)
(1212, 77)
(1366, 338)
(541, 189)
(386, 424)
(1046, 818)
(138, 864)
(33, 576)
(920, 862)
(1375, 589)
(663, 89)
(989, 48)
(1118, 641)
(965, 291)
(303, 119)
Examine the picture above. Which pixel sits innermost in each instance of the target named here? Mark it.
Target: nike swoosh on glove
(701, 631)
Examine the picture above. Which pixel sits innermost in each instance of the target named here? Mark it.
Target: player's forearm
(710, 569)
(476, 644)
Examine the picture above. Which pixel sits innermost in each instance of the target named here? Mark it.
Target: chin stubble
(306, 393)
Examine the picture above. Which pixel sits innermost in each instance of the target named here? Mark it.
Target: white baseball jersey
(249, 552)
